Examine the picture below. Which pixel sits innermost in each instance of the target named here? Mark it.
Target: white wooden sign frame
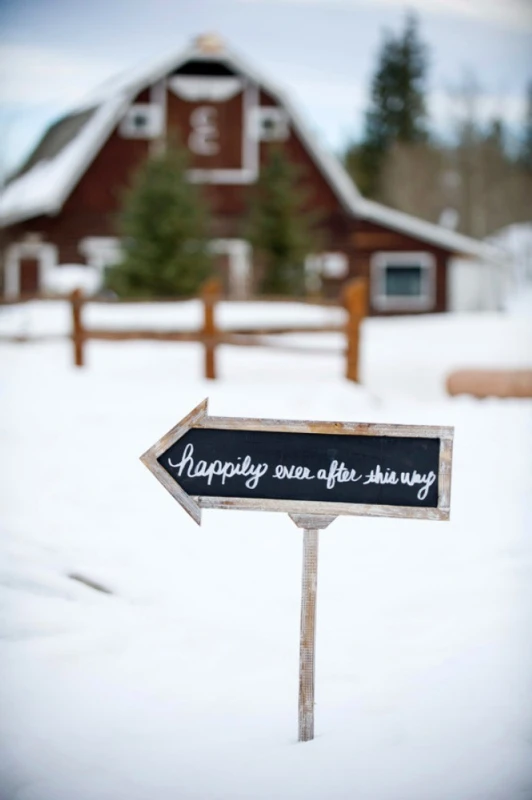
(198, 418)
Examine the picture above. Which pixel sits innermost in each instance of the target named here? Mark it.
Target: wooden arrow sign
(314, 471)
(303, 467)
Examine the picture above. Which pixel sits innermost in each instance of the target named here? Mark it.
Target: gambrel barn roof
(44, 182)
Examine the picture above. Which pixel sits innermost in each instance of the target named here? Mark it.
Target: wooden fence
(211, 336)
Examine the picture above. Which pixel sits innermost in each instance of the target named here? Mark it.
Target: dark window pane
(403, 281)
(207, 68)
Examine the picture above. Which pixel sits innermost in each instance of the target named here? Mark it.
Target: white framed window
(142, 121)
(269, 124)
(403, 281)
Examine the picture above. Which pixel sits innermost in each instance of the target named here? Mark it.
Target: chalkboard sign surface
(305, 467)
(331, 468)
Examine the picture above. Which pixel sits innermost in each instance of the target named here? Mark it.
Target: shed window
(403, 281)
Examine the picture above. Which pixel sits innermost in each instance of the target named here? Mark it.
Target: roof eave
(54, 205)
(456, 243)
(117, 111)
(48, 210)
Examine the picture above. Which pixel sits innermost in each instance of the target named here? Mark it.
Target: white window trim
(380, 301)
(44, 252)
(205, 88)
(158, 98)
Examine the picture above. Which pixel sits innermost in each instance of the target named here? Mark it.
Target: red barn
(61, 206)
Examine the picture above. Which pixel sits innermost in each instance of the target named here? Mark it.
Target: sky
(322, 52)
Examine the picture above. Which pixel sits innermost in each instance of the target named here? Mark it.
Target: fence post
(355, 298)
(210, 294)
(78, 339)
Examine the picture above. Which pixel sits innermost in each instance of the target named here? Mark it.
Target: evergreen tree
(163, 227)
(279, 227)
(397, 107)
(525, 155)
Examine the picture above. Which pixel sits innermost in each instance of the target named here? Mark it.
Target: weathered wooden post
(307, 642)
(76, 300)
(355, 298)
(210, 294)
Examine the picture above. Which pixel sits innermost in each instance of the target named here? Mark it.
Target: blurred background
(427, 105)
(474, 59)
(471, 136)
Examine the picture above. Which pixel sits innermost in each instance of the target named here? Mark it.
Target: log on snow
(491, 383)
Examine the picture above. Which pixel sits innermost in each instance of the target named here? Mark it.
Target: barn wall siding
(321, 194)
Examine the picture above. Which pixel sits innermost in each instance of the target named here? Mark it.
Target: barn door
(29, 275)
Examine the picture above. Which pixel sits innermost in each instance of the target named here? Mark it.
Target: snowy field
(181, 682)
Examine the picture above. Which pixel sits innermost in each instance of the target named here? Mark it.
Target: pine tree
(279, 227)
(397, 110)
(525, 155)
(163, 227)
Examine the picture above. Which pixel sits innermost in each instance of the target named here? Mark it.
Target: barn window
(142, 121)
(403, 281)
(205, 80)
(208, 67)
(269, 124)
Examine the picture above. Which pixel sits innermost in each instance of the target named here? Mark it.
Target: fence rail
(211, 335)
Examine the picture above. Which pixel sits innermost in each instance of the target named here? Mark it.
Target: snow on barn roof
(58, 135)
(48, 176)
(43, 184)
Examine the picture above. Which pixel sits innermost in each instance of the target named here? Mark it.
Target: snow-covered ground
(182, 682)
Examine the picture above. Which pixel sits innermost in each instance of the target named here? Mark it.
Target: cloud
(512, 13)
(33, 75)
